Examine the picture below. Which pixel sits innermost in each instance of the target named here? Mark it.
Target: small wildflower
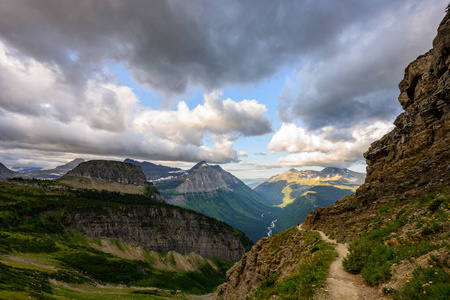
(407, 280)
(424, 292)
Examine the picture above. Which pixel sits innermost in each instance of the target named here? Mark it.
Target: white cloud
(309, 148)
(243, 154)
(216, 116)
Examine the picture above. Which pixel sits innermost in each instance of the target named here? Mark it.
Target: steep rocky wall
(411, 160)
(161, 229)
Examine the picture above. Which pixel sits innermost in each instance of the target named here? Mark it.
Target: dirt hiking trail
(341, 285)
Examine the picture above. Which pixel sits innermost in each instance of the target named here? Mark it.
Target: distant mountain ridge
(156, 172)
(299, 192)
(285, 188)
(53, 173)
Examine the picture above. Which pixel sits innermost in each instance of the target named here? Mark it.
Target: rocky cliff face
(272, 260)
(258, 264)
(161, 228)
(414, 158)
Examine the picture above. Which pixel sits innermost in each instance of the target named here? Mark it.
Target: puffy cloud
(32, 88)
(243, 154)
(216, 116)
(309, 148)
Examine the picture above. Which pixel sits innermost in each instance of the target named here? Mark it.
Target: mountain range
(274, 205)
(299, 192)
(210, 190)
(92, 230)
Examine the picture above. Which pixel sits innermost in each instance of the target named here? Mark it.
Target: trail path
(342, 285)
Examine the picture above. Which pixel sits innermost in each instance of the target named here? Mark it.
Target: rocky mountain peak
(199, 165)
(206, 178)
(5, 172)
(70, 165)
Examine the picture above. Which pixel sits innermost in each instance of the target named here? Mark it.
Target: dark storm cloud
(212, 43)
(357, 83)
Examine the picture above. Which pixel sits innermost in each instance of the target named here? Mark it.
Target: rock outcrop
(112, 176)
(110, 171)
(411, 160)
(161, 228)
(277, 258)
(5, 172)
(258, 264)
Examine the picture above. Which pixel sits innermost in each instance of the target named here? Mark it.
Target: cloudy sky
(256, 86)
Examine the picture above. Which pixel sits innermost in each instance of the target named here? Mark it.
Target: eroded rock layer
(161, 229)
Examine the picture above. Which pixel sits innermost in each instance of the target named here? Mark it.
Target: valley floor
(341, 285)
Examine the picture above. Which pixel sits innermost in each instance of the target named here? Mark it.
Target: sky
(257, 86)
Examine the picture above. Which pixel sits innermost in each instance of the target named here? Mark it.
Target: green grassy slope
(40, 259)
(415, 239)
